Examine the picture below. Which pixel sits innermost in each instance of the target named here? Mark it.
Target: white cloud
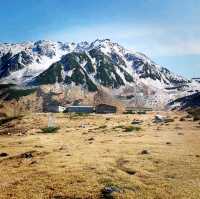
(153, 40)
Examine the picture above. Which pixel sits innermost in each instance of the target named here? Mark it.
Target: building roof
(82, 106)
(106, 105)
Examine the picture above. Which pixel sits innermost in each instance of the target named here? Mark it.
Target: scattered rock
(26, 155)
(168, 143)
(38, 146)
(62, 148)
(182, 119)
(167, 120)
(107, 191)
(135, 121)
(188, 116)
(3, 115)
(3, 154)
(156, 161)
(130, 171)
(82, 126)
(180, 133)
(159, 118)
(33, 162)
(90, 139)
(162, 119)
(144, 152)
(50, 188)
(59, 197)
(178, 128)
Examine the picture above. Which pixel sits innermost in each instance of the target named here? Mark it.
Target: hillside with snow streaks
(101, 63)
(21, 62)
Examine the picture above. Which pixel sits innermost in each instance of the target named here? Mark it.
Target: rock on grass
(3, 154)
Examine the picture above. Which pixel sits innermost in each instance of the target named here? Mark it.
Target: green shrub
(82, 114)
(129, 112)
(131, 128)
(18, 93)
(50, 129)
(77, 115)
(128, 128)
(141, 112)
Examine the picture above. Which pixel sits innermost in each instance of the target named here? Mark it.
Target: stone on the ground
(135, 121)
(159, 118)
(107, 191)
(168, 143)
(91, 139)
(27, 155)
(3, 154)
(144, 152)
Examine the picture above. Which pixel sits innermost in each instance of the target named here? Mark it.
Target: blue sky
(166, 30)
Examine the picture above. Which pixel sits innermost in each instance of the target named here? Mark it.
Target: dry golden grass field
(100, 156)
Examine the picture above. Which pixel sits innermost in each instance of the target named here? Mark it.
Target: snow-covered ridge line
(26, 60)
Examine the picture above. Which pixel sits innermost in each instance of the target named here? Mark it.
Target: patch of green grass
(50, 129)
(82, 114)
(131, 128)
(127, 112)
(141, 112)
(128, 128)
(18, 93)
(77, 115)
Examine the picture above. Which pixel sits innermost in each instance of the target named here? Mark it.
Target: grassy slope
(81, 158)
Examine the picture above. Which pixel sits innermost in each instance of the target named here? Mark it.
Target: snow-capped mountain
(103, 61)
(19, 63)
(126, 74)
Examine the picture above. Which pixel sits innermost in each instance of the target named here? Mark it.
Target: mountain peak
(101, 54)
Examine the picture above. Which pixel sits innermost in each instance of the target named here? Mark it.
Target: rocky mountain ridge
(99, 64)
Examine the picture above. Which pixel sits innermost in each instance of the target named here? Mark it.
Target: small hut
(105, 108)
